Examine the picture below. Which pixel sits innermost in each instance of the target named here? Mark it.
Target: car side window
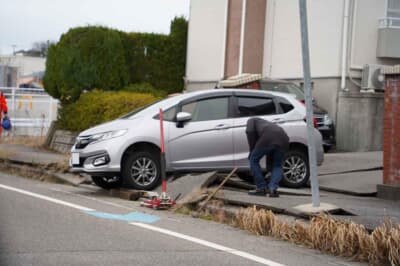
(169, 115)
(251, 106)
(208, 109)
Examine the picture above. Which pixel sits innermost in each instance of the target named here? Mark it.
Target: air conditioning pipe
(345, 43)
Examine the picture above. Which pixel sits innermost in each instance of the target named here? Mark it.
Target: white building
(27, 65)
(230, 37)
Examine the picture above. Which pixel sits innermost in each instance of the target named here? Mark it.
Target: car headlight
(107, 135)
(327, 120)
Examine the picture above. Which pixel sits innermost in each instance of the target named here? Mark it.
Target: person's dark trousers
(277, 155)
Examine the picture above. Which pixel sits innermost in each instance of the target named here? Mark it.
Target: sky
(23, 22)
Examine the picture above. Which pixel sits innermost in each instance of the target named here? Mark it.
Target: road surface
(51, 224)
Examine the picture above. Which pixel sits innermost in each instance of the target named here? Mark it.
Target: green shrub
(97, 107)
(92, 57)
(145, 88)
(85, 58)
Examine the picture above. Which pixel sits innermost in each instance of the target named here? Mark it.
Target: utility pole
(309, 107)
(14, 46)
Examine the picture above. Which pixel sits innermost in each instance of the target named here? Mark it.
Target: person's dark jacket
(262, 134)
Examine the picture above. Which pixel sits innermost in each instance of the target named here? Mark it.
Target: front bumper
(97, 158)
(328, 135)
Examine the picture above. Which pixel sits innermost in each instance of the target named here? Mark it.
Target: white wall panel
(206, 40)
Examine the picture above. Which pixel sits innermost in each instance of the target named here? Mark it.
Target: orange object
(3, 103)
(3, 108)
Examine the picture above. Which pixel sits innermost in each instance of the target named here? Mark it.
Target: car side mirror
(182, 117)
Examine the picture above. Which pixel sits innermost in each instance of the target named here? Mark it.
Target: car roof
(269, 80)
(233, 90)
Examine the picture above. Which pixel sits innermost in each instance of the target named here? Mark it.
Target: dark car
(323, 122)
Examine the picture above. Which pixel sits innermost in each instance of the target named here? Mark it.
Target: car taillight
(315, 123)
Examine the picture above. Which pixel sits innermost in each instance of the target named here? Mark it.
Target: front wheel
(296, 170)
(142, 170)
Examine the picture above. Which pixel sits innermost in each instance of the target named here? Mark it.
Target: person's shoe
(258, 192)
(274, 194)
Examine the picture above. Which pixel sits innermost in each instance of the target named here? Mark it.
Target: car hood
(111, 126)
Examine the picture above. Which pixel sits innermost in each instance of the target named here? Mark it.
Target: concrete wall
(360, 122)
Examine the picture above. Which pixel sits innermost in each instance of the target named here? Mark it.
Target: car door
(245, 107)
(204, 142)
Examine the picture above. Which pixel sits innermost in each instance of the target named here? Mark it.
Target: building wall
(233, 38)
(26, 64)
(365, 33)
(206, 41)
(253, 47)
(283, 41)
(391, 151)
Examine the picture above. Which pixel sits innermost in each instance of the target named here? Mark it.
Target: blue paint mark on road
(129, 217)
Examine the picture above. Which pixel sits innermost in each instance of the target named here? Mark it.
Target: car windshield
(284, 87)
(153, 107)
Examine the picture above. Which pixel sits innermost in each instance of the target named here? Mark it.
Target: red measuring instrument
(163, 201)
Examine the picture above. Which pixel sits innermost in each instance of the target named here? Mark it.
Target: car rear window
(285, 105)
(250, 106)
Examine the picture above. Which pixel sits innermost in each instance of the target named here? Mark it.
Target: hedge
(97, 107)
(92, 57)
(85, 58)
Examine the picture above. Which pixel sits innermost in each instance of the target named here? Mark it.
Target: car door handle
(278, 120)
(221, 126)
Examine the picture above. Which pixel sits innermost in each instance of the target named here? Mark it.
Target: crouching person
(266, 139)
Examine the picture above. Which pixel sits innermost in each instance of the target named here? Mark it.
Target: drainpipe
(242, 31)
(345, 44)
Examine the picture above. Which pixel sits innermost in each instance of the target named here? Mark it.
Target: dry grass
(24, 140)
(62, 167)
(340, 238)
(30, 172)
(5, 154)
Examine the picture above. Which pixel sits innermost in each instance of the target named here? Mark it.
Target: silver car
(203, 130)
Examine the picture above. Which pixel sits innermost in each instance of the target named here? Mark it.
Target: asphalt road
(50, 224)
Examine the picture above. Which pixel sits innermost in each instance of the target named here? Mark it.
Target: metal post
(309, 106)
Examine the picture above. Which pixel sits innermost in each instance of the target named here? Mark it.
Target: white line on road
(209, 244)
(156, 229)
(46, 198)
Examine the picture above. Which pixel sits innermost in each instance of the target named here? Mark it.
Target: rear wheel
(142, 170)
(107, 182)
(295, 169)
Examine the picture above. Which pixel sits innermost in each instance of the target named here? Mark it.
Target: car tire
(142, 170)
(107, 182)
(296, 170)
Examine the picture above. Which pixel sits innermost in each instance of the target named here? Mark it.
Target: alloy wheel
(143, 171)
(295, 169)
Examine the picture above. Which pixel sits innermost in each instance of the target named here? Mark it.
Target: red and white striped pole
(163, 170)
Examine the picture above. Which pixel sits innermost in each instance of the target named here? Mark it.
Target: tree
(85, 58)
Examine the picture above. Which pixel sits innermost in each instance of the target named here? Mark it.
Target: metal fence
(30, 110)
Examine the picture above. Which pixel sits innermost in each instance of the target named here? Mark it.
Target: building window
(392, 19)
